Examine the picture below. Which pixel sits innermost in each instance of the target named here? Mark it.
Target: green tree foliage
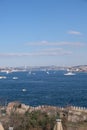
(35, 120)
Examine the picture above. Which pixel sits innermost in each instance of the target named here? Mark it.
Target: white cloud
(14, 54)
(43, 52)
(73, 32)
(55, 52)
(62, 43)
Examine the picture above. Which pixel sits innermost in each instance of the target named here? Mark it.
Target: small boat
(47, 72)
(29, 72)
(3, 77)
(8, 71)
(15, 78)
(69, 73)
(24, 90)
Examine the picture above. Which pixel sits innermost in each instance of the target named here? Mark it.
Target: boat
(3, 77)
(29, 72)
(47, 72)
(15, 78)
(8, 71)
(24, 90)
(69, 73)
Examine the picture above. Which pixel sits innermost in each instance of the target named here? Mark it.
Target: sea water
(44, 88)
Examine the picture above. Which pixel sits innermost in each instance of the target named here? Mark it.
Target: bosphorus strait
(44, 88)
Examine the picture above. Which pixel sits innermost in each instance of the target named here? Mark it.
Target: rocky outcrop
(12, 106)
(17, 107)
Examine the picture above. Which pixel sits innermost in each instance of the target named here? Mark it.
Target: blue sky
(43, 32)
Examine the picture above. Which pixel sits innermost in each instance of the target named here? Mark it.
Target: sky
(43, 32)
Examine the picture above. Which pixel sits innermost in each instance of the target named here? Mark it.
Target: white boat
(15, 78)
(24, 90)
(8, 71)
(3, 77)
(47, 72)
(29, 72)
(69, 73)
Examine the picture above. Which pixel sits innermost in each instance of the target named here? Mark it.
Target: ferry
(69, 73)
(3, 77)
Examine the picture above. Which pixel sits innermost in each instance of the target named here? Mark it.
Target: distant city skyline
(43, 32)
